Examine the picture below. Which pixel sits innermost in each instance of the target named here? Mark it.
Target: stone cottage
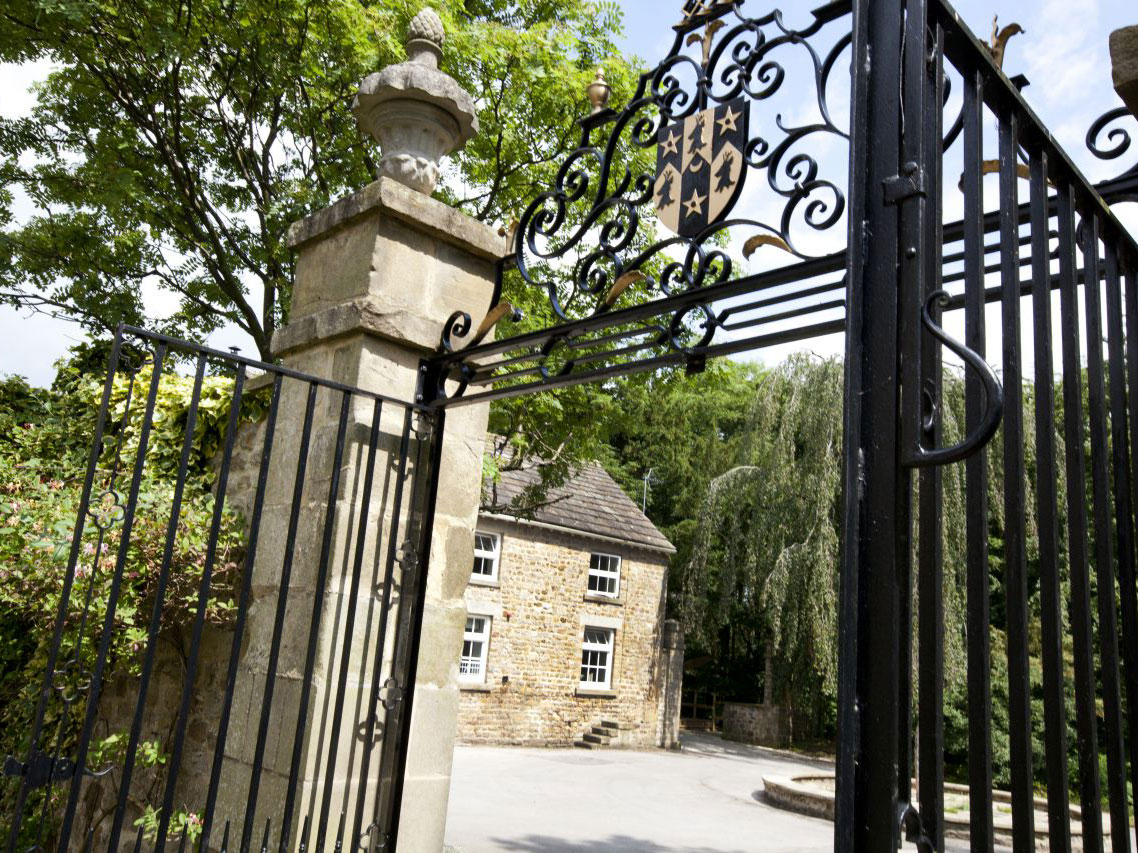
(566, 640)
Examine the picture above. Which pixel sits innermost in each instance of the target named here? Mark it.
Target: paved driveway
(705, 799)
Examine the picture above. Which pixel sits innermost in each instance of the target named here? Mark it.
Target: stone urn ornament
(416, 113)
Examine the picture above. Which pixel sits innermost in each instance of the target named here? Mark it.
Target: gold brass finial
(599, 91)
(697, 12)
(707, 39)
(999, 41)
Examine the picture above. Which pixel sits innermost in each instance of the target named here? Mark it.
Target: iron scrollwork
(990, 417)
(741, 63)
(1107, 142)
(592, 244)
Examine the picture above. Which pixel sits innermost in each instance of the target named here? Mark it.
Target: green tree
(44, 437)
(673, 433)
(174, 142)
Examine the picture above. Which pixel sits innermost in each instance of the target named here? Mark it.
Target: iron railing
(255, 716)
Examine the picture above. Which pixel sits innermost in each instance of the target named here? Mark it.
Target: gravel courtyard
(704, 799)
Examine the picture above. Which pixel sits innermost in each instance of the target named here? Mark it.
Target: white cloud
(16, 81)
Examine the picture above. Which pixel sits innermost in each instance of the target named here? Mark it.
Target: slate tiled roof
(590, 501)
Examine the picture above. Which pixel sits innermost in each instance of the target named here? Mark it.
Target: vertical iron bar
(1015, 499)
(866, 807)
(112, 603)
(913, 271)
(416, 583)
(1080, 604)
(1047, 508)
(385, 610)
(349, 628)
(278, 624)
(1124, 508)
(239, 622)
(981, 830)
(1104, 539)
(68, 582)
(175, 761)
(384, 807)
(1131, 301)
(930, 585)
(156, 613)
(314, 626)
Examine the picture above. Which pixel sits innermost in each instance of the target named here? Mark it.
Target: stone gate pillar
(377, 275)
(672, 667)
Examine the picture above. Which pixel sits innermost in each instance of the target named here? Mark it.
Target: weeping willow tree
(762, 580)
(762, 577)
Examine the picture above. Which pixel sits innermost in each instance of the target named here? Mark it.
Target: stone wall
(765, 725)
(117, 706)
(539, 608)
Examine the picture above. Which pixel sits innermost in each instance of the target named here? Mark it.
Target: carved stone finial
(599, 91)
(425, 38)
(416, 113)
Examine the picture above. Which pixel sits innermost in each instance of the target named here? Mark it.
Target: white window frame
(472, 663)
(602, 642)
(604, 574)
(493, 556)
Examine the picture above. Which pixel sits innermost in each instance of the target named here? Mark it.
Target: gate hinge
(424, 426)
(391, 694)
(40, 769)
(408, 557)
(911, 182)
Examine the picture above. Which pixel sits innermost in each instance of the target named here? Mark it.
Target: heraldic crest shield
(700, 167)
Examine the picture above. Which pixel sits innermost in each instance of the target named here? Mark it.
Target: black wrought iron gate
(940, 220)
(1037, 227)
(1023, 225)
(237, 623)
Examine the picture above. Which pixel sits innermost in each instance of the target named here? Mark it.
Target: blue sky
(1064, 54)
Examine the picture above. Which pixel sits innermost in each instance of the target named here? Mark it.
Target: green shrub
(45, 437)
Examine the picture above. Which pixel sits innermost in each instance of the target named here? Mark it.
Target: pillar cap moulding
(417, 113)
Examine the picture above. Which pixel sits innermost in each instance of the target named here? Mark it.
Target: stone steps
(602, 734)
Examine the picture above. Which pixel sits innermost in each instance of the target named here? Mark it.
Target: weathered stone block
(765, 725)
(1124, 60)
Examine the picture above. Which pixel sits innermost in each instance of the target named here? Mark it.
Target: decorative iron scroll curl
(914, 829)
(579, 240)
(1111, 143)
(993, 398)
(458, 325)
